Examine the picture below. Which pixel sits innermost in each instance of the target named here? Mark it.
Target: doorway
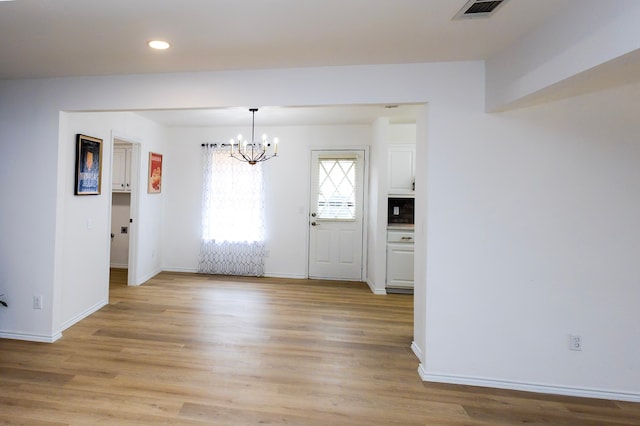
(336, 222)
(124, 202)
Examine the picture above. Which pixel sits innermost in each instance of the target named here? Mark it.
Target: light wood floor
(191, 349)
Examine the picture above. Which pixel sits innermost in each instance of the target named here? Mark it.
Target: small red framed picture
(155, 173)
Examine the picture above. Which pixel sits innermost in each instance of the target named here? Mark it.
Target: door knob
(313, 215)
(314, 223)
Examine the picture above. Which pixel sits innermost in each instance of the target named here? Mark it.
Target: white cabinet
(399, 259)
(121, 169)
(402, 165)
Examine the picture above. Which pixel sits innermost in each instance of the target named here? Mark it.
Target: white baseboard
(416, 350)
(147, 277)
(83, 315)
(528, 387)
(119, 265)
(31, 337)
(180, 269)
(269, 275)
(376, 291)
(50, 339)
(285, 275)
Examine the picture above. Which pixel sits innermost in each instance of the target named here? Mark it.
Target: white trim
(31, 337)
(529, 387)
(180, 269)
(83, 315)
(417, 351)
(374, 290)
(147, 277)
(285, 275)
(119, 265)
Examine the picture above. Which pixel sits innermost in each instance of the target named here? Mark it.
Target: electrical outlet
(575, 342)
(37, 302)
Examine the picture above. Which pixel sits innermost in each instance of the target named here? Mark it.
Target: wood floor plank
(198, 349)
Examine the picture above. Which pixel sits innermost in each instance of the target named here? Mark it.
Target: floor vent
(479, 9)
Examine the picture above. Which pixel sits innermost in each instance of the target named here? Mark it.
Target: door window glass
(337, 188)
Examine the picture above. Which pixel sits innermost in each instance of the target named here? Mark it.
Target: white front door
(336, 211)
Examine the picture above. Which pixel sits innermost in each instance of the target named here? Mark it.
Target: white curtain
(233, 231)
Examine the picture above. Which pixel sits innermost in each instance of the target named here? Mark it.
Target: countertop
(400, 227)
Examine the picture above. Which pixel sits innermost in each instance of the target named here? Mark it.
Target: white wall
(33, 227)
(286, 191)
(564, 50)
(421, 137)
(377, 215)
(87, 226)
(531, 215)
(534, 234)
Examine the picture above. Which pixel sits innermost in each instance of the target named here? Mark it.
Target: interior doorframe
(365, 203)
(134, 207)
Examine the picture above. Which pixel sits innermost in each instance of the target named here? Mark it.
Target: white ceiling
(60, 38)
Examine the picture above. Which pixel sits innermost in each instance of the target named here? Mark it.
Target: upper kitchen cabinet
(121, 169)
(401, 159)
(402, 169)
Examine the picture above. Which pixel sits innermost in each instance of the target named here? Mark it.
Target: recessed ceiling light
(159, 44)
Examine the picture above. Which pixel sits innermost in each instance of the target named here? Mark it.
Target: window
(337, 188)
(233, 200)
(233, 231)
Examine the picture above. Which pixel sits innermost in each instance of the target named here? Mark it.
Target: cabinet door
(401, 169)
(127, 169)
(120, 175)
(400, 265)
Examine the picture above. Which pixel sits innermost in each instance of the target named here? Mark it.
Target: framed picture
(155, 173)
(88, 165)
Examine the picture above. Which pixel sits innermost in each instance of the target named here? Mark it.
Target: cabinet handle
(407, 238)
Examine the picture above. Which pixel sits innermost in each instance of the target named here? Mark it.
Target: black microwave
(400, 211)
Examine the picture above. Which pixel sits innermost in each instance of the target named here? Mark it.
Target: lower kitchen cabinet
(399, 260)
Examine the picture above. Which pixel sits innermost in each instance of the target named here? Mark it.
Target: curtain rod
(215, 145)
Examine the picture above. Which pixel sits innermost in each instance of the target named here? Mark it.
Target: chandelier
(253, 152)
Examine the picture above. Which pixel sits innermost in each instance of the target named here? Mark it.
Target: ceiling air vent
(479, 9)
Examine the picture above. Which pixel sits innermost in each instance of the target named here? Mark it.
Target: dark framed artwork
(155, 173)
(88, 165)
